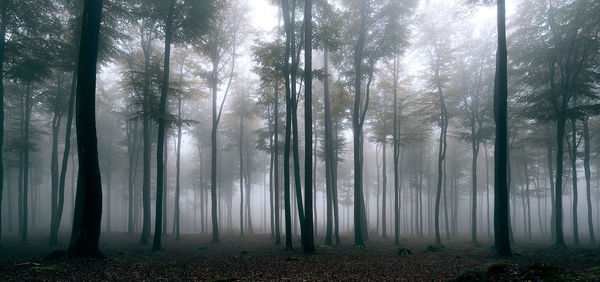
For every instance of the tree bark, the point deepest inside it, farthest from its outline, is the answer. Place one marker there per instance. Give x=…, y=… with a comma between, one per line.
x=88, y=207
x=501, y=203
x=588, y=174
x=162, y=111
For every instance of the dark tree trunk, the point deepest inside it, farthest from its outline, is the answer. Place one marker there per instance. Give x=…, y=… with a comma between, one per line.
x=357, y=130
x=276, y=167
x=25, y=163
x=241, y=145
x=384, y=190
x=558, y=214
x=56, y=121
x=396, y=156
x=147, y=166
x=588, y=174
x=178, y=171
x=288, y=126
x=441, y=156
x=574, y=178
x=88, y=206
x=4, y=19
x=328, y=149
x=475, y=153
x=501, y=218
x=162, y=111
x=309, y=240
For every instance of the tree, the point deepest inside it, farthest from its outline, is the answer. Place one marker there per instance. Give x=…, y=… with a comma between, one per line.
x=501, y=219
x=309, y=244
x=88, y=208
x=220, y=46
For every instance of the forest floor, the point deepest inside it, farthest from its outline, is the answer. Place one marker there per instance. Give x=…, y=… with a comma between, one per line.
x=255, y=257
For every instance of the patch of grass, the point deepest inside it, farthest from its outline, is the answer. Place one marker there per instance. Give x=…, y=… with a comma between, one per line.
x=293, y=258
x=173, y=270
x=594, y=269
x=45, y=267
x=324, y=247
x=470, y=275
x=122, y=252
x=223, y=279
x=202, y=248
x=242, y=255
x=360, y=247
x=548, y=272
x=435, y=248
x=497, y=269
x=405, y=251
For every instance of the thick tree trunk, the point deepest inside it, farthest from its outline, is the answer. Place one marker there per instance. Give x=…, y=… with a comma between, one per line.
x=162, y=111
x=88, y=207
x=501, y=204
x=357, y=130
x=309, y=240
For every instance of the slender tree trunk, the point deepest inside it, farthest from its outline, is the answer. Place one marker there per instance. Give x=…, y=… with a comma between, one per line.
x=588, y=174
x=241, y=145
x=162, y=111
x=475, y=153
x=574, y=178
x=384, y=191
x=276, y=167
x=328, y=148
x=441, y=157
x=501, y=203
x=178, y=172
x=88, y=207
x=26, y=161
x=396, y=155
x=487, y=189
x=3, y=24
x=54, y=166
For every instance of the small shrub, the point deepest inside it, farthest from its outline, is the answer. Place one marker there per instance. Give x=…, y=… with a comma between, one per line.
x=242, y=255
x=405, y=252
x=470, y=275
x=435, y=248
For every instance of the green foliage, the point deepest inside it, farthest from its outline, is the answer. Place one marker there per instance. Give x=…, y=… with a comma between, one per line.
x=405, y=252
x=242, y=255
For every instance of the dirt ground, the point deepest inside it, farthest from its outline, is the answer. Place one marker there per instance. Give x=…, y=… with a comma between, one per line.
x=255, y=257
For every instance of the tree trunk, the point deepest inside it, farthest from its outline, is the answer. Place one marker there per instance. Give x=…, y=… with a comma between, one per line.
x=56, y=120
x=441, y=157
x=574, y=178
x=588, y=174
x=88, y=207
x=357, y=130
x=4, y=18
x=475, y=153
x=276, y=168
x=501, y=218
x=384, y=190
x=25, y=163
x=396, y=155
x=328, y=148
x=309, y=240
x=241, y=145
x=162, y=111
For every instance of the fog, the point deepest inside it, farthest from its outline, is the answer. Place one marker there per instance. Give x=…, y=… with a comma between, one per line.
x=405, y=119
